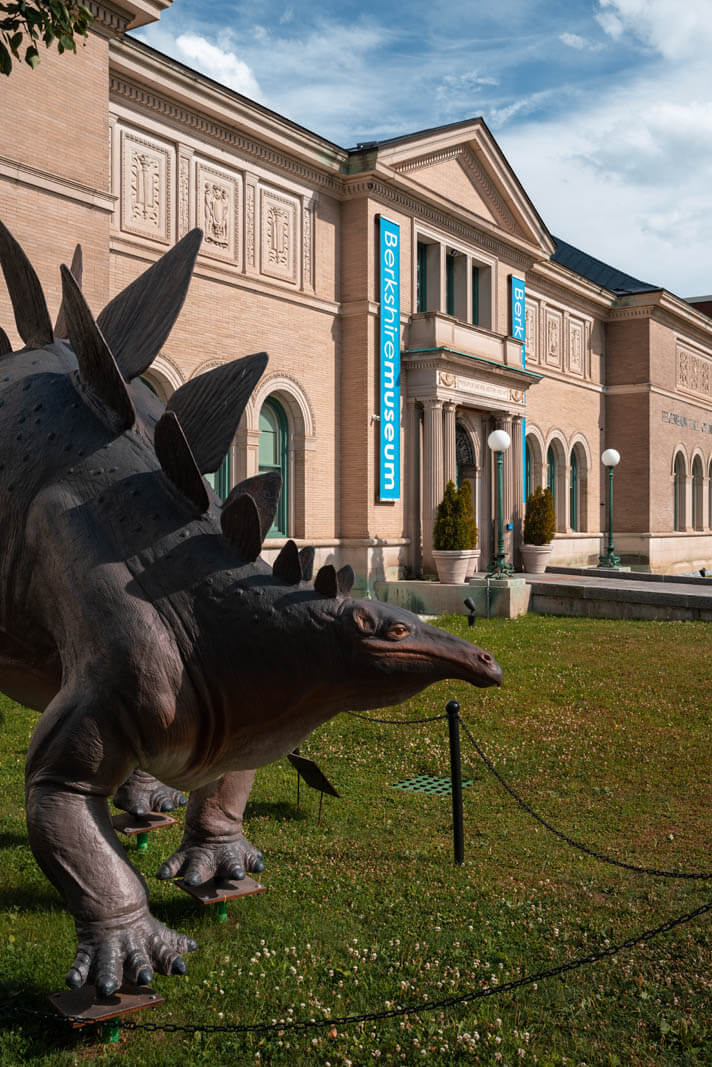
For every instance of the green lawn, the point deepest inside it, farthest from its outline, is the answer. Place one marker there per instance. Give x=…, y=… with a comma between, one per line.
x=604, y=727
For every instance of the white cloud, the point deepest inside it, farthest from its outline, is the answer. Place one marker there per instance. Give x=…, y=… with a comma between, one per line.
x=573, y=40
x=674, y=28
x=218, y=63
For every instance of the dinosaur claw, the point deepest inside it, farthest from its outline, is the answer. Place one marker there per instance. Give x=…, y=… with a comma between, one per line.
x=237, y=874
x=178, y=966
x=144, y=976
x=166, y=806
x=105, y=987
x=191, y=945
x=257, y=865
x=164, y=872
x=182, y=800
x=192, y=879
x=74, y=979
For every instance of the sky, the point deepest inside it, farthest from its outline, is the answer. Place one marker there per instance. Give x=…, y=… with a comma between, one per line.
x=603, y=108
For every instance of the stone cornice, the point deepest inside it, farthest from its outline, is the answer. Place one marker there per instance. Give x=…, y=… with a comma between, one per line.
x=113, y=19
x=158, y=85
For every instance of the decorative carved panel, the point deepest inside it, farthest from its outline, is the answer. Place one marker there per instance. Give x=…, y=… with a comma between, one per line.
x=279, y=237
x=694, y=373
x=308, y=243
x=250, y=235
x=532, y=331
x=184, y=184
x=553, y=338
x=576, y=347
x=146, y=182
x=219, y=205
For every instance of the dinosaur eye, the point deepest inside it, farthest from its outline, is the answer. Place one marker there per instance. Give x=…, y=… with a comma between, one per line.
x=397, y=631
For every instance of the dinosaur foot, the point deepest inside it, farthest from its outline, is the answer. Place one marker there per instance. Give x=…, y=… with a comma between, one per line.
x=197, y=863
x=115, y=952
x=141, y=793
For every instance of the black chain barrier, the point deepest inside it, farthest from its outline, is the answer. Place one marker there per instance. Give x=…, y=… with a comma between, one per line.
x=394, y=722
x=386, y=1013
x=702, y=876
x=430, y=1005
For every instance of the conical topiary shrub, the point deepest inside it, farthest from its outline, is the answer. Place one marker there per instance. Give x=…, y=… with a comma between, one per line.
x=539, y=528
x=454, y=534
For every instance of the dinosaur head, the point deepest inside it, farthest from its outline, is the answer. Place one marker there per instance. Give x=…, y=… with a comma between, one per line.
x=387, y=654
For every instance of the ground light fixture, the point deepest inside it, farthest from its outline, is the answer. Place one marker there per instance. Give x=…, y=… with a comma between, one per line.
x=610, y=458
x=499, y=441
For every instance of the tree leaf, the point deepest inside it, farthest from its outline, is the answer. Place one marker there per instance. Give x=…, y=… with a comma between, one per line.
x=32, y=56
x=5, y=60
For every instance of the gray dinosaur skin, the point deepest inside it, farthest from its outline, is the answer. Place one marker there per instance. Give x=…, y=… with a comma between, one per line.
x=149, y=641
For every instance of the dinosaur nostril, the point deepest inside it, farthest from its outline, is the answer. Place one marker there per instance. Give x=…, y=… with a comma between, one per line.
x=485, y=657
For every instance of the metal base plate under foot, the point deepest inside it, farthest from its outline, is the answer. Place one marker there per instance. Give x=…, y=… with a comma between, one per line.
x=84, y=1006
x=141, y=824
x=217, y=890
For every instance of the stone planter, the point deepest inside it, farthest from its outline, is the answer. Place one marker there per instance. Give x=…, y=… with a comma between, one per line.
x=473, y=563
x=452, y=566
x=535, y=558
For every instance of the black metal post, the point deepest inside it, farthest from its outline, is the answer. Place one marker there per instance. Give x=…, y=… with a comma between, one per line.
x=453, y=710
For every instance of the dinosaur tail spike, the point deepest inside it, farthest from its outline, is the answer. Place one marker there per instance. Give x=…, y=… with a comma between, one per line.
x=306, y=559
x=177, y=460
x=28, y=302
x=264, y=490
x=60, y=326
x=210, y=407
x=5, y=346
x=326, y=582
x=345, y=579
x=137, y=322
x=240, y=521
x=97, y=368
x=287, y=567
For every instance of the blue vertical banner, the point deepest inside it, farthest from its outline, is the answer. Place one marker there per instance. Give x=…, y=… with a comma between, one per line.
x=518, y=314
x=389, y=359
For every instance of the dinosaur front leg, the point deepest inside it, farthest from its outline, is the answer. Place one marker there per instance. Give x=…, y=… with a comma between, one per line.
x=141, y=792
x=72, y=765
x=213, y=844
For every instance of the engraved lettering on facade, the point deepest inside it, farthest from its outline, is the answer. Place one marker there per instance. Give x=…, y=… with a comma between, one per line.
x=251, y=224
x=531, y=328
x=576, y=348
x=307, y=246
x=184, y=196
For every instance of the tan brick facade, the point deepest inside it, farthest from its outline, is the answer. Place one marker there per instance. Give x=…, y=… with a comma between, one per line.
x=124, y=150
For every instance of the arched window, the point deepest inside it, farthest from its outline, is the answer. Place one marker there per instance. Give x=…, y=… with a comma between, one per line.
x=679, y=487
x=221, y=479
x=273, y=456
x=697, y=478
x=551, y=472
x=527, y=468
x=709, y=495
x=573, y=493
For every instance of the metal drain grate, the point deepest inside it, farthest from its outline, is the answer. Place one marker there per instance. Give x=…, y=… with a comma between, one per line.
x=425, y=783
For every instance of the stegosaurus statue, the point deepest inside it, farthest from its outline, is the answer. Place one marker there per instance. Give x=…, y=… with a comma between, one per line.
x=137, y=616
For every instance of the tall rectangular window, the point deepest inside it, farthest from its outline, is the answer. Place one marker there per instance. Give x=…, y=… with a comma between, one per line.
x=422, y=279
x=450, y=284
x=475, y=296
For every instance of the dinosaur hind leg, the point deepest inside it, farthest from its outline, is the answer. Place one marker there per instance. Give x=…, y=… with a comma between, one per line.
x=141, y=792
x=213, y=844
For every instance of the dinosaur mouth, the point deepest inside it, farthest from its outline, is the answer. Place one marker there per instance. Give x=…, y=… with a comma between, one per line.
x=479, y=668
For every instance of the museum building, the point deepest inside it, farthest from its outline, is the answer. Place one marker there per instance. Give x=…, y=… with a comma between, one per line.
x=409, y=295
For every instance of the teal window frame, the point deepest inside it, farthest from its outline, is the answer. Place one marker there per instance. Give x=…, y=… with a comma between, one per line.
x=273, y=411
x=422, y=277
x=475, y=296
x=551, y=472
x=220, y=480
x=449, y=284
x=527, y=468
x=573, y=494
x=677, y=518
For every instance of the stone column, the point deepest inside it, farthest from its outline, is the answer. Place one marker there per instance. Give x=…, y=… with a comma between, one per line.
x=413, y=516
x=433, y=484
x=449, y=450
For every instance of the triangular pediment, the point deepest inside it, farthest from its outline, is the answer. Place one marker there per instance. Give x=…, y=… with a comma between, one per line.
x=465, y=166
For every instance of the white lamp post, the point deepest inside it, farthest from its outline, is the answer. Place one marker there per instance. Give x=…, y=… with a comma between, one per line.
x=610, y=458
x=499, y=441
